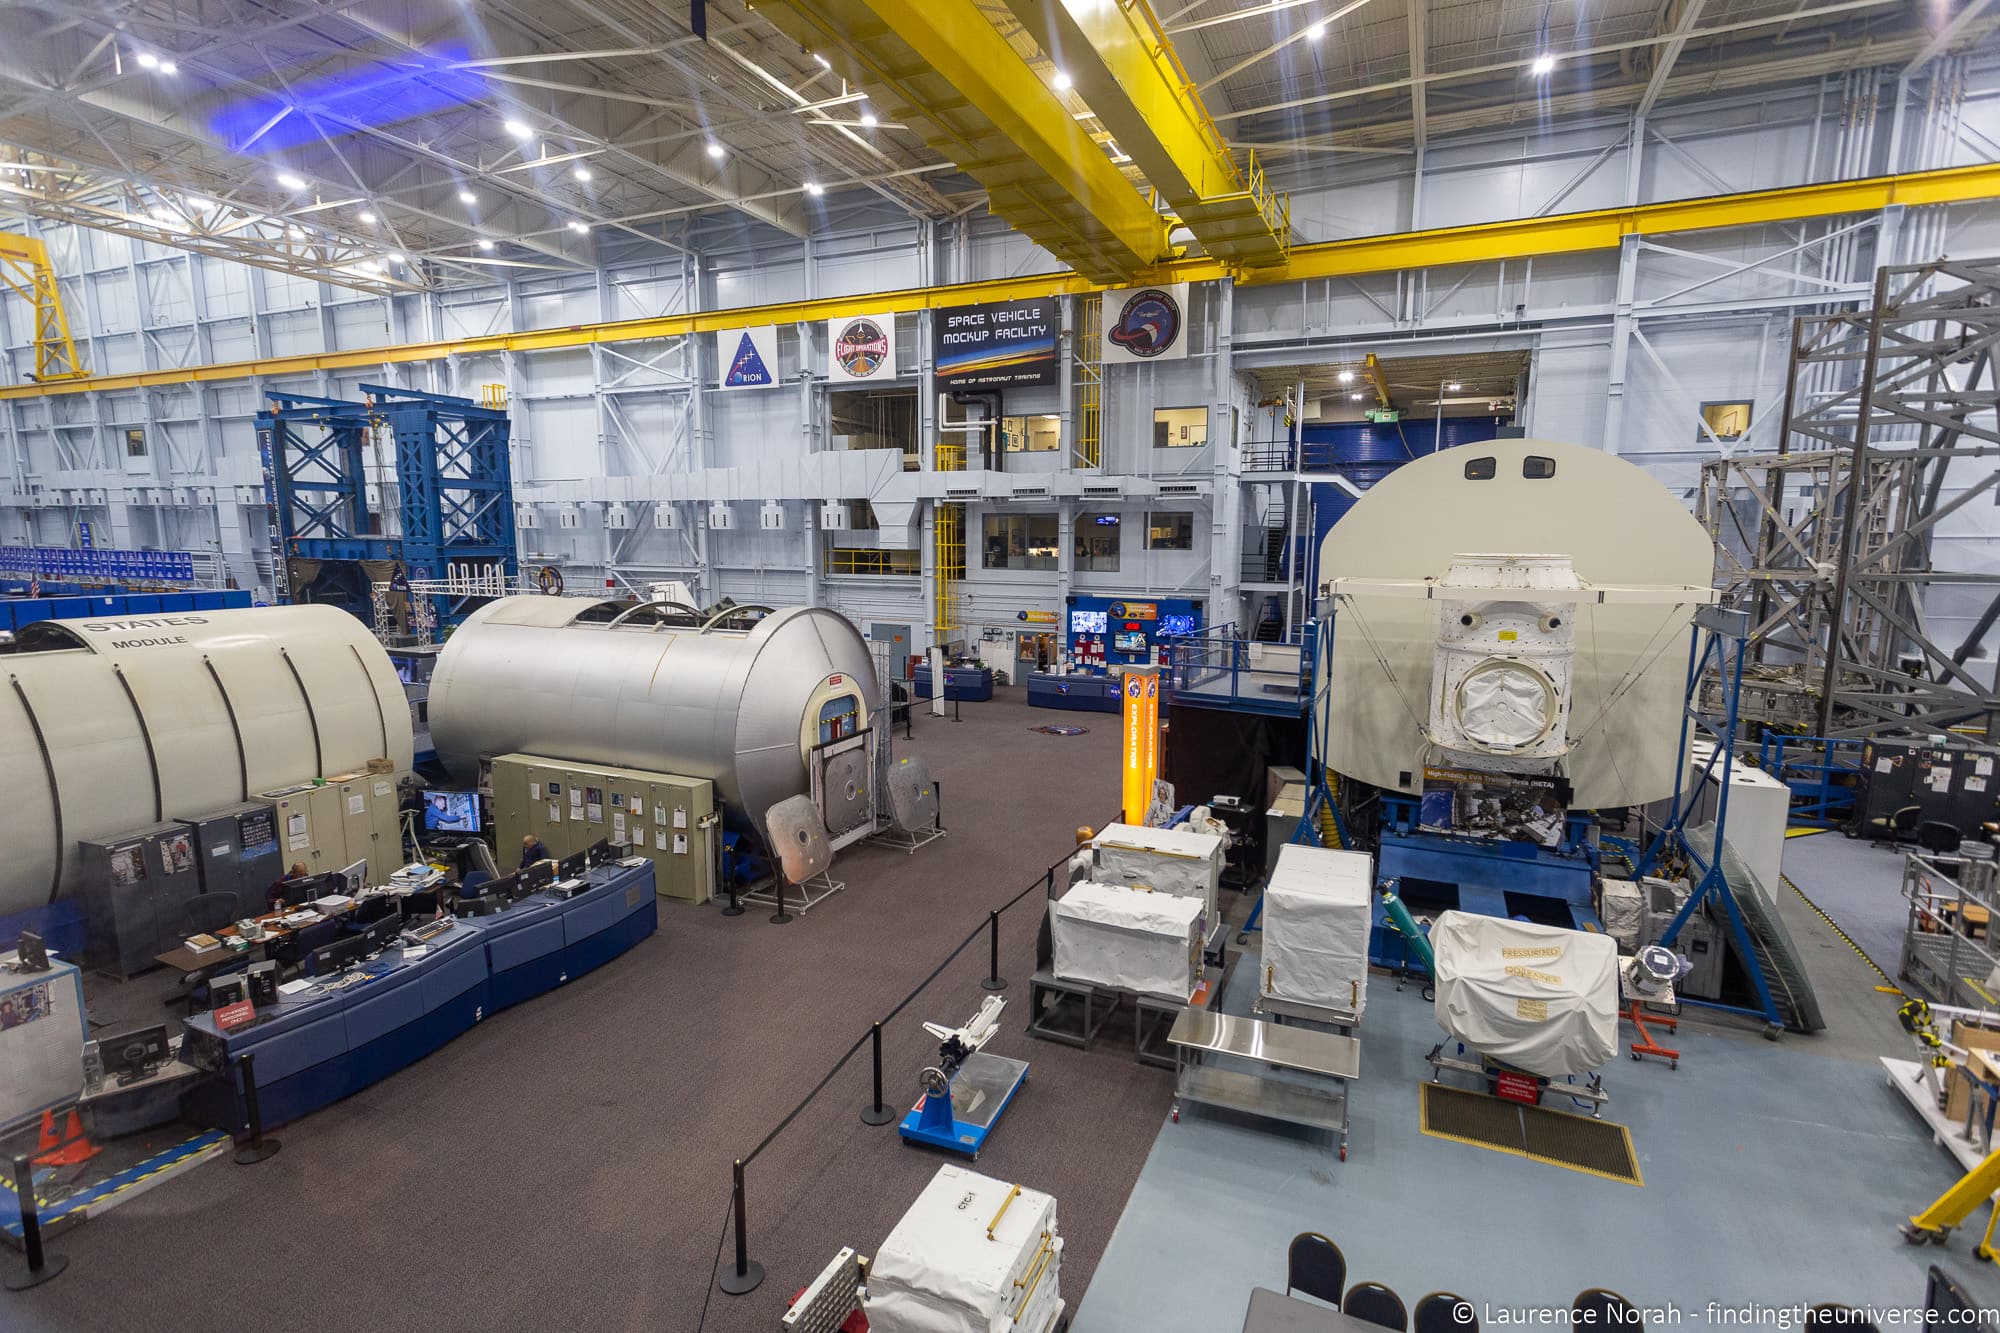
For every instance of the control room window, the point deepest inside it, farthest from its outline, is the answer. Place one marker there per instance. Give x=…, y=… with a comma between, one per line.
x=1019, y=541
x=1180, y=427
x=1097, y=539
x=1034, y=435
x=135, y=443
x=1723, y=420
x=1170, y=532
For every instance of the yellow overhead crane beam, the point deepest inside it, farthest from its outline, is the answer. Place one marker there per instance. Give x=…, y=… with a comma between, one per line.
x=941, y=68
x=24, y=266
x=1567, y=233
x=1122, y=62
x=1381, y=384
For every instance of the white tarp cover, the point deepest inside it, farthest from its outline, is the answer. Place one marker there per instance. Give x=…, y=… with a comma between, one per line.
x=1539, y=998
x=1176, y=861
x=1623, y=910
x=1127, y=939
x=1317, y=910
x=938, y=1273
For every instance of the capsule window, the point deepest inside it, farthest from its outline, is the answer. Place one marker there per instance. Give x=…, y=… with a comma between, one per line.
x=1480, y=469
x=1537, y=468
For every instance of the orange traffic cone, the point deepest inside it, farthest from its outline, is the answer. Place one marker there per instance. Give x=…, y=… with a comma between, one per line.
x=67, y=1148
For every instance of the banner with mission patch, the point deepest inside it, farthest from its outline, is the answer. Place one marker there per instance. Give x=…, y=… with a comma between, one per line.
x=747, y=358
x=1005, y=345
x=1145, y=324
x=861, y=347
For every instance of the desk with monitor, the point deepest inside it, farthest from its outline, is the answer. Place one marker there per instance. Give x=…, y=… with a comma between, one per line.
x=344, y=1031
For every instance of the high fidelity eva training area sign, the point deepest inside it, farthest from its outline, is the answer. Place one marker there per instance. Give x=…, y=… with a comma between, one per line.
x=1005, y=345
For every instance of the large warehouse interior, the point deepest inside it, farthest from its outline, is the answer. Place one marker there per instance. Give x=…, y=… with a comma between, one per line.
x=1003, y=665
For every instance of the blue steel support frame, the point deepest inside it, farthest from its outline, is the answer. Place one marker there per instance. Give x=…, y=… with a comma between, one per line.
x=1812, y=767
x=315, y=483
x=1722, y=648
x=455, y=472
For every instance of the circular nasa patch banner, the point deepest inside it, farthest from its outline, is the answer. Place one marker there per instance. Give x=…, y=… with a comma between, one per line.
x=1148, y=323
x=862, y=348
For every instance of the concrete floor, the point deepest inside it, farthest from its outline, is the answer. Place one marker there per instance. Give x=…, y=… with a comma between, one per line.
x=1775, y=1173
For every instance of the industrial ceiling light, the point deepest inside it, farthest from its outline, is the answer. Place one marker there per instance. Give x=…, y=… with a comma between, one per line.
x=291, y=182
x=1544, y=65
x=485, y=244
x=467, y=197
x=716, y=150
x=1451, y=387
x=169, y=67
x=579, y=227
x=824, y=63
x=367, y=217
x=517, y=129
x=147, y=60
x=815, y=189
x=1315, y=32
x=868, y=119
x=1347, y=377
x=581, y=173
x=1062, y=82
x=1354, y=397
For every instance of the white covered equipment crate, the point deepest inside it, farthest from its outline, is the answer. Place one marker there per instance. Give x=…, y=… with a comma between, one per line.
x=1317, y=910
x=1177, y=861
x=1539, y=998
x=1128, y=939
x=973, y=1255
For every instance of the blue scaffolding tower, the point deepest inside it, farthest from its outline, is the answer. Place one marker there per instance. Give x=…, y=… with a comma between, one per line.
x=455, y=519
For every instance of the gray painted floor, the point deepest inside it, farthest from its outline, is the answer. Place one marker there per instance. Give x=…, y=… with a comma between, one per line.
x=1775, y=1173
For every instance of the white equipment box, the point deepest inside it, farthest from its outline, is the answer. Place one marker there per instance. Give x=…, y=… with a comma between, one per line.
x=1539, y=998
x=42, y=1032
x=1760, y=807
x=1622, y=908
x=1317, y=910
x=1128, y=939
x=1177, y=861
x=973, y=1255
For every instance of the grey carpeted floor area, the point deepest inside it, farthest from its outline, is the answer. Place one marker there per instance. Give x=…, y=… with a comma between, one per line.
x=567, y=1162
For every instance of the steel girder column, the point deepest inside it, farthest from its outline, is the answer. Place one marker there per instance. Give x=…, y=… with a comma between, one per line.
x=315, y=489
x=1127, y=71
x=941, y=68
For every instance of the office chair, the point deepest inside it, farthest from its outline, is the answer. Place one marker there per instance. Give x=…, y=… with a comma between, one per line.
x=1830, y=1315
x=206, y=913
x=1939, y=838
x=469, y=888
x=1375, y=1304
x=1599, y=1308
x=1440, y=1312
x=1315, y=1265
x=293, y=953
x=367, y=912
x=1894, y=827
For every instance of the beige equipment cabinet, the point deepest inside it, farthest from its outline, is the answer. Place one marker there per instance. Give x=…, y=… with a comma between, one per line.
x=348, y=818
x=666, y=818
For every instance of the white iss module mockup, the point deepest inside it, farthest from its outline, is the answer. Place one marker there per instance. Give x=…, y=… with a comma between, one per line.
x=1128, y=939
x=1317, y=911
x=1506, y=646
x=1539, y=998
x=972, y=1255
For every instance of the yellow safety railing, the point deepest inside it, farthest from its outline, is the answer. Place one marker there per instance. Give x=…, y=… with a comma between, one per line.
x=1087, y=447
x=950, y=456
x=493, y=396
x=950, y=572
x=868, y=560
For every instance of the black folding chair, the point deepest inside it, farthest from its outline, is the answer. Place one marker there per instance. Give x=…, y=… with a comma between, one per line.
x=1315, y=1266
x=1443, y=1312
x=1376, y=1304
x=1600, y=1308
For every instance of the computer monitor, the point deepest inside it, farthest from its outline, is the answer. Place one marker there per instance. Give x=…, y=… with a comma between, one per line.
x=329, y=959
x=500, y=887
x=383, y=930
x=451, y=812
x=130, y=1056
x=575, y=864
x=599, y=852
x=354, y=878
x=537, y=876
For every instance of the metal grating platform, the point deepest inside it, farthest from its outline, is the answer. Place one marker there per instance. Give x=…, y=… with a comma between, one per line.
x=1579, y=1143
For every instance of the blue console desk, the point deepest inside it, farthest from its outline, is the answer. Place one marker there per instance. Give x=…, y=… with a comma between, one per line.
x=971, y=684
x=1078, y=693
x=315, y=1047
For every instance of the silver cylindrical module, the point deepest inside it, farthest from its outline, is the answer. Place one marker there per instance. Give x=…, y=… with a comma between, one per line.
x=108, y=725
x=618, y=685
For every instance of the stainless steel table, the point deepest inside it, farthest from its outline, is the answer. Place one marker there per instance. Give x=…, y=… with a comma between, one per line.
x=1274, y=1312
x=1199, y=1034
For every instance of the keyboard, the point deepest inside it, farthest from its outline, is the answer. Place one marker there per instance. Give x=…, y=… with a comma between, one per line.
x=344, y=980
x=428, y=931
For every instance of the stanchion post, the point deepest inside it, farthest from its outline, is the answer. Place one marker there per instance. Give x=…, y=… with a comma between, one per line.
x=877, y=1113
x=259, y=1148
x=743, y=1277
x=735, y=907
x=41, y=1266
x=994, y=981
x=937, y=795
x=781, y=916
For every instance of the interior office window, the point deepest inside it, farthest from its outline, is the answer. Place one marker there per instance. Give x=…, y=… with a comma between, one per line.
x=1018, y=541
x=1180, y=427
x=135, y=443
x=1034, y=435
x=1169, y=532
x=1725, y=420
x=1097, y=540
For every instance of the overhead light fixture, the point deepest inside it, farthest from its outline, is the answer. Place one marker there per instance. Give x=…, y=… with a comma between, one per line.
x=1347, y=377
x=367, y=217
x=815, y=189
x=1355, y=397
x=169, y=67
x=824, y=63
x=467, y=197
x=291, y=182
x=1544, y=65
x=1061, y=81
x=579, y=227
x=485, y=244
x=517, y=129
x=581, y=173
x=868, y=119
x=1315, y=32
x=147, y=60
x=716, y=150
x=1452, y=387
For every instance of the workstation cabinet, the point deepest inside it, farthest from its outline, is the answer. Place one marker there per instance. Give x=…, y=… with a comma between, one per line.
x=669, y=820
x=330, y=825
